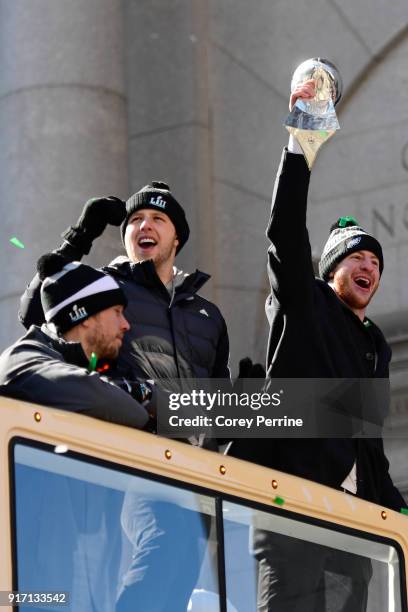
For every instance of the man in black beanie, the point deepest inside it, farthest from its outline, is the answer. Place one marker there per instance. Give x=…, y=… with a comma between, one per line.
x=318, y=330
x=175, y=334
x=56, y=365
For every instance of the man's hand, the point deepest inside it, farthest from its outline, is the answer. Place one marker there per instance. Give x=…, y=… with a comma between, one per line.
x=306, y=90
x=96, y=215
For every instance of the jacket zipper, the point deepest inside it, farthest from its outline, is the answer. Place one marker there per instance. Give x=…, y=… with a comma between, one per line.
x=172, y=333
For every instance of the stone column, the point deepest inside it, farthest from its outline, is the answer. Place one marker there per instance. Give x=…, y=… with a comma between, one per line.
x=169, y=114
x=63, y=130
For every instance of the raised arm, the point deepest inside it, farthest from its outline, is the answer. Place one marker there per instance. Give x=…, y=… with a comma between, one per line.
x=96, y=215
x=30, y=311
x=290, y=265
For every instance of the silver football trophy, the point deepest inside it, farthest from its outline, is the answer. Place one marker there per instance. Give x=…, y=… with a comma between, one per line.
x=313, y=122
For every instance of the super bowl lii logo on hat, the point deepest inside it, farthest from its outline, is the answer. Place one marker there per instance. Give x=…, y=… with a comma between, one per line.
x=77, y=314
x=158, y=196
x=158, y=201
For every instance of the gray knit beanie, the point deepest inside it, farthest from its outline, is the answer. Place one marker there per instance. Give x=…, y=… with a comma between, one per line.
x=347, y=237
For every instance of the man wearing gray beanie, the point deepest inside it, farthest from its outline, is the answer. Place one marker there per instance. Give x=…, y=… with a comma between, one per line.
x=319, y=330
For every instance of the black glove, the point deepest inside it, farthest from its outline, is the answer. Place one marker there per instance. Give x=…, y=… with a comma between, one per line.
x=248, y=370
x=142, y=392
x=96, y=215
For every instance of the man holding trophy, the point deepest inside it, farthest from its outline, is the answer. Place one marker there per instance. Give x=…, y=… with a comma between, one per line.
x=318, y=329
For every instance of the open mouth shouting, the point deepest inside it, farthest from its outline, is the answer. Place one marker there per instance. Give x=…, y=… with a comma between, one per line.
x=363, y=282
x=146, y=243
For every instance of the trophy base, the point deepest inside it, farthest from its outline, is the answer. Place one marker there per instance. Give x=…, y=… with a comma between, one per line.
x=310, y=141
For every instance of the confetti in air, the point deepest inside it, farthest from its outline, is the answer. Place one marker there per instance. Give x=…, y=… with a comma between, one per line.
x=17, y=243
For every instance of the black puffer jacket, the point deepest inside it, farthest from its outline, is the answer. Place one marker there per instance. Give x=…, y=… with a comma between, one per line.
x=170, y=338
x=182, y=337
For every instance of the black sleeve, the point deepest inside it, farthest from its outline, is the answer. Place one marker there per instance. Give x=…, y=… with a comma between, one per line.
x=34, y=376
x=31, y=312
x=290, y=266
x=390, y=497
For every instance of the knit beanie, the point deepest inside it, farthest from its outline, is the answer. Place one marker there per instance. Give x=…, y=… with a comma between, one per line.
x=157, y=196
x=347, y=237
x=72, y=292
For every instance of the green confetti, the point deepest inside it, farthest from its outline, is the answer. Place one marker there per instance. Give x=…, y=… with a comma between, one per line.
x=404, y=511
x=92, y=363
x=17, y=243
x=279, y=500
x=323, y=133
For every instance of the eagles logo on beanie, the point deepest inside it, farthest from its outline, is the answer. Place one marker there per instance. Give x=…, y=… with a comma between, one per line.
x=157, y=196
x=72, y=292
x=347, y=237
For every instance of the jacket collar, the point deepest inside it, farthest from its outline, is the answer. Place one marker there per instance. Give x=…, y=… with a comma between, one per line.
x=144, y=272
x=71, y=351
x=367, y=323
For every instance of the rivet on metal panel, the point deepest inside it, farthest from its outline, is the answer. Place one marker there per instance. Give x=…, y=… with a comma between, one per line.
x=168, y=454
x=274, y=484
x=383, y=515
x=37, y=416
x=223, y=469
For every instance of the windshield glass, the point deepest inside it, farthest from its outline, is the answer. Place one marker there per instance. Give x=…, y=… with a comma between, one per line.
x=110, y=540
x=277, y=563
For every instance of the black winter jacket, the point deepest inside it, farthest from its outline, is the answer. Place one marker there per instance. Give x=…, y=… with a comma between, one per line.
x=183, y=337
x=45, y=369
x=314, y=335
x=170, y=338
